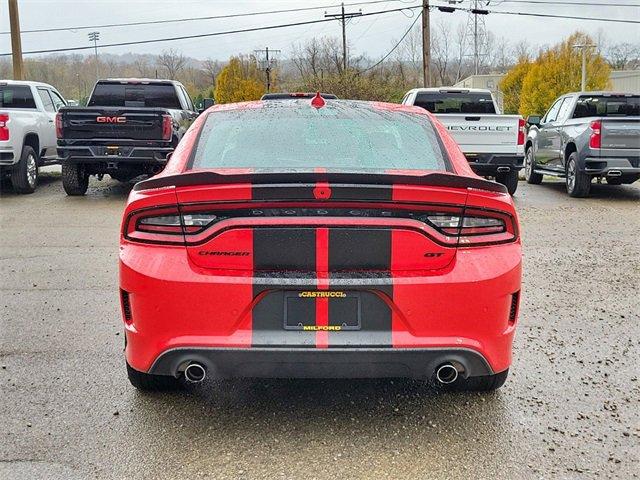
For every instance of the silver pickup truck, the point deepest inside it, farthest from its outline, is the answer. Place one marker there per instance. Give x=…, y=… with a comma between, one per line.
x=27, y=130
x=583, y=136
x=493, y=143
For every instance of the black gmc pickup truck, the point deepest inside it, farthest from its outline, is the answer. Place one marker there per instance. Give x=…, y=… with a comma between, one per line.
x=128, y=128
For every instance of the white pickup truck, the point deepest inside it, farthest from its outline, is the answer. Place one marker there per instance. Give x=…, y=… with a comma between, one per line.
x=493, y=143
x=27, y=130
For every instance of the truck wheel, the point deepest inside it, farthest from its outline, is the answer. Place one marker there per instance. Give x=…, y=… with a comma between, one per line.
x=509, y=180
x=149, y=383
x=578, y=183
x=530, y=175
x=74, y=179
x=24, y=174
x=486, y=383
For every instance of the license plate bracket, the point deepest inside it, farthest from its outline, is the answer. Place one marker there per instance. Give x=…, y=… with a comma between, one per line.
x=344, y=310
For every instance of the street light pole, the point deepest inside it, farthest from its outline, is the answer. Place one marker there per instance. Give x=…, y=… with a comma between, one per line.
x=94, y=37
x=583, y=47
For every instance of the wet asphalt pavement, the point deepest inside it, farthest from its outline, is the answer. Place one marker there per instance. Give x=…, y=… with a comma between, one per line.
x=570, y=408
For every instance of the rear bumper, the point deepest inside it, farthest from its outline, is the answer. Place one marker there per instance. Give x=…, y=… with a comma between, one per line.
x=179, y=310
x=125, y=154
x=313, y=363
x=8, y=157
x=612, y=165
x=490, y=164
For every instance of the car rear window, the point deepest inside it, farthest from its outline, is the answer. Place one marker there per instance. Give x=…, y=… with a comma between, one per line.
x=607, y=106
x=16, y=96
x=455, y=102
x=335, y=137
x=134, y=95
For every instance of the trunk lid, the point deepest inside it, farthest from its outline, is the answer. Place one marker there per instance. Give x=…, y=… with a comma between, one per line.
x=319, y=228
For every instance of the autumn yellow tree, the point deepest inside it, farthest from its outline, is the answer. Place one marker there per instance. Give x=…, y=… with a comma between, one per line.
x=239, y=81
x=511, y=85
x=558, y=71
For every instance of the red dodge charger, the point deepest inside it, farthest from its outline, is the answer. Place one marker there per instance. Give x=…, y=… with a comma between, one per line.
x=319, y=238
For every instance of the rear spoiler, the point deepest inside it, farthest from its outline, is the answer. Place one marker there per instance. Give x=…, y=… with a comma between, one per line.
x=213, y=178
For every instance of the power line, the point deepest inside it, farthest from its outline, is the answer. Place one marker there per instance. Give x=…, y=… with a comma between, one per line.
x=394, y=47
x=578, y=4
x=310, y=22
x=542, y=15
x=212, y=34
x=193, y=19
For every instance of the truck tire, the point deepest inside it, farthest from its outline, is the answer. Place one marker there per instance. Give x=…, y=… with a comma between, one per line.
x=578, y=183
x=486, y=383
x=509, y=180
x=148, y=382
x=24, y=174
x=530, y=175
x=74, y=179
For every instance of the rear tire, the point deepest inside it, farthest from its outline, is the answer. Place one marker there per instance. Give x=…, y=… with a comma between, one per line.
x=24, y=174
x=486, y=383
x=148, y=382
x=75, y=180
x=578, y=183
x=530, y=175
x=509, y=180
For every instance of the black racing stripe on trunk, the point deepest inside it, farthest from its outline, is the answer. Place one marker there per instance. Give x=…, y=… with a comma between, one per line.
x=357, y=192
x=284, y=248
x=278, y=250
x=359, y=250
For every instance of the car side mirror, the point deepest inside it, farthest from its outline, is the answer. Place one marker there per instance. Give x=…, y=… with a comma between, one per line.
x=533, y=120
x=206, y=103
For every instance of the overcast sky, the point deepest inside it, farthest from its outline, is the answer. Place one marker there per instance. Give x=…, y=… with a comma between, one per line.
x=373, y=35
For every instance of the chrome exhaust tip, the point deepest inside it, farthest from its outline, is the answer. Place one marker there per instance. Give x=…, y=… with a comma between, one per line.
x=446, y=374
x=504, y=169
x=614, y=173
x=195, y=373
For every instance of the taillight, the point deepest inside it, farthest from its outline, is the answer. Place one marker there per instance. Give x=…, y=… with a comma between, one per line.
x=475, y=227
x=595, y=141
x=522, y=131
x=59, y=125
x=447, y=225
x=4, y=128
x=167, y=127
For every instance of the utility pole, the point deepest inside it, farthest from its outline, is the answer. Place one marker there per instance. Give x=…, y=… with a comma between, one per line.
x=476, y=53
x=426, y=45
x=94, y=37
x=343, y=16
x=583, y=47
x=16, y=43
x=267, y=63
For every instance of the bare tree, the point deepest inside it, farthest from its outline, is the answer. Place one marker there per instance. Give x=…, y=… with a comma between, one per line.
x=623, y=55
x=172, y=61
x=441, y=51
x=212, y=68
